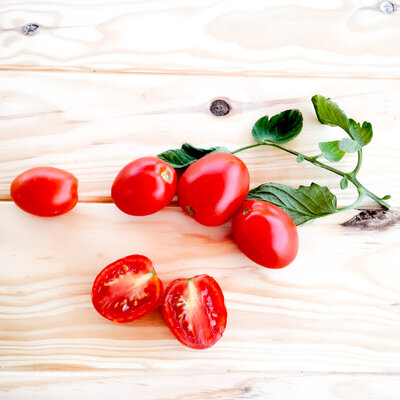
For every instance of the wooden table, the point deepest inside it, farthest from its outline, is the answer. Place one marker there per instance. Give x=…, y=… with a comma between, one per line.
x=95, y=84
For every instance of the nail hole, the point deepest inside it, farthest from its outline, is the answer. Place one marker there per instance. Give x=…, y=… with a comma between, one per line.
x=220, y=107
x=30, y=29
x=387, y=7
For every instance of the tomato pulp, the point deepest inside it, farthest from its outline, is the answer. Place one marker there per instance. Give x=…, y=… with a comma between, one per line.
x=127, y=289
x=195, y=312
x=45, y=191
x=213, y=188
x=144, y=186
x=265, y=234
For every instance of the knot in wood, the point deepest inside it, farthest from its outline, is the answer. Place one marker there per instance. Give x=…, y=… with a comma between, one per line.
x=220, y=107
x=374, y=220
x=30, y=29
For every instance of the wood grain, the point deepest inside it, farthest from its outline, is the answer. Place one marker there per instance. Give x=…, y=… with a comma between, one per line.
x=102, y=83
x=94, y=124
x=203, y=385
x=335, y=309
x=351, y=38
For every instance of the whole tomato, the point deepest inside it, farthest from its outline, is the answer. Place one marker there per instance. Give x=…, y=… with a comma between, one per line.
x=144, y=186
x=127, y=289
x=195, y=312
x=213, y=188
x=265, y=234
x=45, y=191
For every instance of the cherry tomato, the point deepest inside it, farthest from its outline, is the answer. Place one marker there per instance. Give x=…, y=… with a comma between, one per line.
x=127, y=289
x=195, y=312
x=144, y=186
x=213, y=188
x=265, y=234
x=45, y=191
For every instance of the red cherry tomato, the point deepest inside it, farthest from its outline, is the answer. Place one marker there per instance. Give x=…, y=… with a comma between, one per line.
x=265, y=234
x=213, y=188
x=127, y=289
x=195, y=312
x=45, y=191
x=144, y=186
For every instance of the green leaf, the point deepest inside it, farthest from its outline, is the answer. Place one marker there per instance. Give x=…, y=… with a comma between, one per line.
x=344, y=182
x=329, y=113
x=188, y=154
x=281, y=128
x=349, y=145
x=387, y=197
x=302, y=204
x=300, y=158
x=362, y=134
x=260, y=129
x=331, y=150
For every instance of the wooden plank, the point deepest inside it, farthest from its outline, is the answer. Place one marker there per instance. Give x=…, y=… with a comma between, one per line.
x=335, y=309
x=214, y=386
x=94, y=124
x=261, y=37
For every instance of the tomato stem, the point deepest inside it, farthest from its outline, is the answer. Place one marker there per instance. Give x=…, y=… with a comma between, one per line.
x=351, y=176
x=246, y=147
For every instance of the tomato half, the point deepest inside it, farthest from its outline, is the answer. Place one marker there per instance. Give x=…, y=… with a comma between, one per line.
x=265, y=234
x=45, y=191
x=195, y=312
x=144, y=186
x=127, y=289
x=213, y=188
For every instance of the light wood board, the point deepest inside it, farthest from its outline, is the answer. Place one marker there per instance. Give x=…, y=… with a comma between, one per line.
x=93, y=124
x=350, y=38
x=102, y=83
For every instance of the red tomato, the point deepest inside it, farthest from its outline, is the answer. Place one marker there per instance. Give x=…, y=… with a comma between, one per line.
x=213, y=188
x=144, y=186
x=45, y=191
x=127, y=289
x=195, y=312
x=265, y=234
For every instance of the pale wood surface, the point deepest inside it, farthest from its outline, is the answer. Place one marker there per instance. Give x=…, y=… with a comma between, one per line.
x=334, y=310
x=351, y=38
x=164, y=385
x=94, y=124
x=327, y=327
x=214, y=386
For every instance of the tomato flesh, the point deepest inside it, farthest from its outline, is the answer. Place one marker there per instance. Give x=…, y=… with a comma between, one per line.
x=265, y=234
x=45, y=191
x=213, y=188
x=144, y=186
x=195, y=312
x=127, y=289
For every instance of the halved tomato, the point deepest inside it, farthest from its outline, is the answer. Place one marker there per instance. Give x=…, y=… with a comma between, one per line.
x=127, y=289
x=195, y=312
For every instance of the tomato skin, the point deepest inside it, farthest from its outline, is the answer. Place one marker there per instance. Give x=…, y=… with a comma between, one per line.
x=195, y=312
x=144, y=186
x=45, y=191
x=213, y=188
x=265, y=234
x=127, y=289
